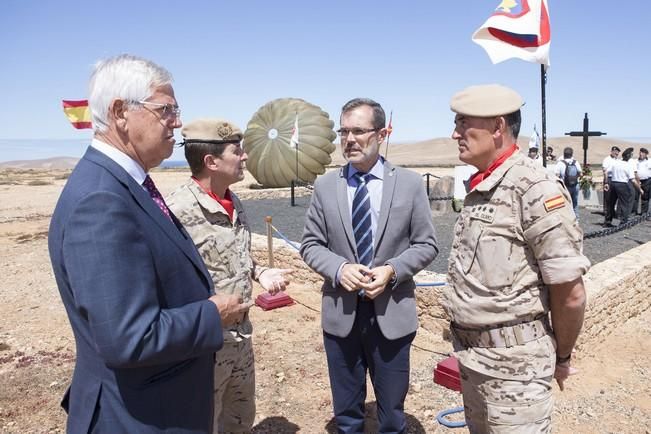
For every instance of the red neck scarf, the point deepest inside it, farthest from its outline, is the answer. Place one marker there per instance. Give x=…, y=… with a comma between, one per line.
x=226, y=202
x=478, y=177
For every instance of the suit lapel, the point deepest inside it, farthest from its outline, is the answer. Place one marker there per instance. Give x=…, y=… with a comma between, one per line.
x=344, y=209
x=388, y=187
x=173, y=230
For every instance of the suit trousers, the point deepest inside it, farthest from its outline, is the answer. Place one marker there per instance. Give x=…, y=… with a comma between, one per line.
x=387, y=361
x=646, y=188
x=621, y=193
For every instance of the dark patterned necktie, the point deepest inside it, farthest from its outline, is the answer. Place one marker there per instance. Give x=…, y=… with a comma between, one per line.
x=362, y=220
x=148, y=183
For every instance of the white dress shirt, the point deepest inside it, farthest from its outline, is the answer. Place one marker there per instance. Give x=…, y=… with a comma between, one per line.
x=374, y=187
x=607, y=165
x=622, y=171
x=644, y=169
x=132, y=167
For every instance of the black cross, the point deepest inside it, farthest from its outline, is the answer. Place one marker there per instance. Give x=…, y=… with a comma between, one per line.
x=585, y=134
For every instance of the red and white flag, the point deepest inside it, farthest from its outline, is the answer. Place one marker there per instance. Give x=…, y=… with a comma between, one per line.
x=517, y=28
x=293, y=141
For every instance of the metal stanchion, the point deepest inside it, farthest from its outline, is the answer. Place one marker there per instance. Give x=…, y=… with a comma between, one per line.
x=293, y=203
x=270, y=241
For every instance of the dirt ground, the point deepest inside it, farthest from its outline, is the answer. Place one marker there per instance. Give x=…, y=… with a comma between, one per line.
x=611, y=394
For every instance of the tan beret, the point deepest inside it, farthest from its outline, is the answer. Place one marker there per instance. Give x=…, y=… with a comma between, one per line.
x=486, y=101
x=211, y=130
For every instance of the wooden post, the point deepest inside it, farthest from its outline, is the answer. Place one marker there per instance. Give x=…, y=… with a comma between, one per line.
x=270, y=241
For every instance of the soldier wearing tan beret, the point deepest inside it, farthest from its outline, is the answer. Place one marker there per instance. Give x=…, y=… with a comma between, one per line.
x=516, y=296
x=215, y=219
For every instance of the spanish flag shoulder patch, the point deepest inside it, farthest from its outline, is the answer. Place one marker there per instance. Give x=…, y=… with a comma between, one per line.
x=554, y=203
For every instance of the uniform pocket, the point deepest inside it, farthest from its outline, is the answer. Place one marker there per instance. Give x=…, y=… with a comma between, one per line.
x=523, y=414
x=468, y=250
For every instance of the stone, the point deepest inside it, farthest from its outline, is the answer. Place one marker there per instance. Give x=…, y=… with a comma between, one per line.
x=442, y=187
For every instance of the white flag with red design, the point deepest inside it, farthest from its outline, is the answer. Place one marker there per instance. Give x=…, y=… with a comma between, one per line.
x=293, y=142
x=517, y=28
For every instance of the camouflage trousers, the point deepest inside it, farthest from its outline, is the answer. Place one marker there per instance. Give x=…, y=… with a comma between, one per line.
x=496, y=405
x=234, y=387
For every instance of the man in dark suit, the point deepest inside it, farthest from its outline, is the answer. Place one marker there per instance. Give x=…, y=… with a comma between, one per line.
x=138, y=296
x=367, y=232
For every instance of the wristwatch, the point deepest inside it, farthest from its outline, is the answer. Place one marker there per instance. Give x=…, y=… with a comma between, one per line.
x=563, y=359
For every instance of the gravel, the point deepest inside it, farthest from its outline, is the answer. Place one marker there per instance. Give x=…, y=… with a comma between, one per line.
x=289, y=221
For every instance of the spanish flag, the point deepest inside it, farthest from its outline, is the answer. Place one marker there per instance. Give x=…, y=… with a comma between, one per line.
x=78, y=113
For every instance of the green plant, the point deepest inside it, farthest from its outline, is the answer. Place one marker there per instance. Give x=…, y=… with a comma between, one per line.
x=586, y=182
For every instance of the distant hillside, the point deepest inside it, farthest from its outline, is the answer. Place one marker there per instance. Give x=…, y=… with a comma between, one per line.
x=433, y=152
x=443, y=151
x=46, y=163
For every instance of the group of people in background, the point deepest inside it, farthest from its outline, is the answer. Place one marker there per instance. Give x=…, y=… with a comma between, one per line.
x=157, y=290
x=567, y=169
x=626, y=180
x=627, y=184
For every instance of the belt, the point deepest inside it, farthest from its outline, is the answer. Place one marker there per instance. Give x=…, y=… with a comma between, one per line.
x=502, y=337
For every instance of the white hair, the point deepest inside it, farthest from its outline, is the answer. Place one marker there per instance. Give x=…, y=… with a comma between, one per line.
x=127, y=77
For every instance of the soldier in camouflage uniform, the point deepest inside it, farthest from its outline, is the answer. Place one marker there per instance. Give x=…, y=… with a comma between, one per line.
x=215, y=219
x=516, y=260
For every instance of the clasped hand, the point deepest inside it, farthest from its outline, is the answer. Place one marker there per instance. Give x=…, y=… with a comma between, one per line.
x=372, y=280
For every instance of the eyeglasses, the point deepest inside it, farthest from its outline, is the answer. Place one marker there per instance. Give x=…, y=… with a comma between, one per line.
x=343, y=132
x=169, y=111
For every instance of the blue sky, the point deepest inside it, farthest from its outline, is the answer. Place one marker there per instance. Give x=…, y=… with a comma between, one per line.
x=230, y=58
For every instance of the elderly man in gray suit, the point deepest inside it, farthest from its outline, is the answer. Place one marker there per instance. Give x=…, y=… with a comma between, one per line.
x=367, y=232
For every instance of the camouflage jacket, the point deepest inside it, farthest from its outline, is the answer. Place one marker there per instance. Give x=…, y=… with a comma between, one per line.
x=225, y=246
x=516, y=235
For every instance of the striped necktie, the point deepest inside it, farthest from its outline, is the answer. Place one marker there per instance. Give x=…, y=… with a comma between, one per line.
x=362, y=220
x=149, y=185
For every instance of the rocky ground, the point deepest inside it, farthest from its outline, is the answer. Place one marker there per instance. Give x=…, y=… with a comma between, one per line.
x=611, y=394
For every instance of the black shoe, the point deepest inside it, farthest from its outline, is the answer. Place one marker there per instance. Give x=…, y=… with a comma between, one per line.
x=608, y=225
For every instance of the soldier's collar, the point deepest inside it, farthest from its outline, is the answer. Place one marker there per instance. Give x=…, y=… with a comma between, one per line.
x=494, y=178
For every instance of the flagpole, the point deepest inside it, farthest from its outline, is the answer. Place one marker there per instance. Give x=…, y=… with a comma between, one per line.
x=296, y=126
x=386, y=148
x=543, y=83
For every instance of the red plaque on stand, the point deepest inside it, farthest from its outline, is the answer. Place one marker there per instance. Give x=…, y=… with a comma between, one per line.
x=267, y=301
x=447, y=374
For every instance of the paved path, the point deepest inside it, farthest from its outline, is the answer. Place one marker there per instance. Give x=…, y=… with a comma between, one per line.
x=289, y=220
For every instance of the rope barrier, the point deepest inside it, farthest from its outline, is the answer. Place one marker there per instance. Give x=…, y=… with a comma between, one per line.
x=291, y=243
x=443, y=421
x=287, y=240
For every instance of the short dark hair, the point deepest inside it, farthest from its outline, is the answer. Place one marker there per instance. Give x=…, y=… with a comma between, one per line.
x=379, y=118
x=568, y=152
x=645, y=150
x=628, y=152
x=513, y=122
x=195, y=151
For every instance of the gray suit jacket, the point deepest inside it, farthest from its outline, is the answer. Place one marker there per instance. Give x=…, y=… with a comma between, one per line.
x=404, y=238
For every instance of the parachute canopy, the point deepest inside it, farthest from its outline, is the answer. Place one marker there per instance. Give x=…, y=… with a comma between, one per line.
x=282, y=130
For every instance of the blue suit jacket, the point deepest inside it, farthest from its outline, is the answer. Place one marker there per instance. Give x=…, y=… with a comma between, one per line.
x=135, y=290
